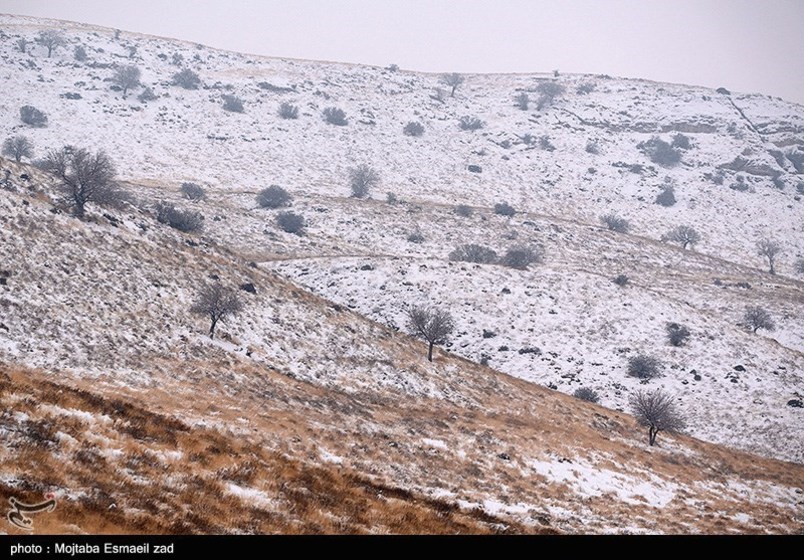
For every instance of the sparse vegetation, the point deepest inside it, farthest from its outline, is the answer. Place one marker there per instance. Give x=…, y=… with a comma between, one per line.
x=192, y=191
x=621, y=280
x=51, y=39
x=586, y=394
x=585, y=88
x=187, y=221
x=545, y=144
x=799, y=266
x=126, y=78
x=232, y=103
x=592, y=147
x=470, y=123
x=656, y=411
x=464, y=211
x=432, y=324
x=681, y=141
x=413, y=129
x=273, y=197
x=84, y=178
x=660, y=152
x=683, y=235
x=615, y=223
x=146, y=95
x=667, y=197
x=218, y=303
x=504, y=209
x=677, y=334
x=79, y=53
x=521, y=257
x=18, y=147
x=770, y=249
x=335, y=116
x=474, y=254
x=522, y=100
x=548, y=92
x=643, y=366
x=415, y=237
x=756, y=318
x=362, y=179
x=290, y=222
x=288, y=111
x=186, y=79
x=32, y=116
x=453, y=81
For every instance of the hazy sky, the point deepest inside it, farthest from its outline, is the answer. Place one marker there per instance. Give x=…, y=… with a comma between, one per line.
x=743, y=45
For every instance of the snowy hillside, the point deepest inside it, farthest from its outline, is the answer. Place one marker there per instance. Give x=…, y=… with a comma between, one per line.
x=318, y=371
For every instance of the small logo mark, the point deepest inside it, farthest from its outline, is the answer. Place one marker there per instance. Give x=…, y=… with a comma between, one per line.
x=17, y=515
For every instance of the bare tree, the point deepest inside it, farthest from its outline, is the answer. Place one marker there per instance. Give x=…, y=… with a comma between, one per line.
x=549, y=91
x=126, y=77
x=453, y=80
x=84, y=177
x=362, y=179
x=770, y=249
x=217, y=303
x=432, y=324
x=18, y=147
x=683, y=235
x=51, y=39
x=756, y=318
x=656, y=411
x=22, y=45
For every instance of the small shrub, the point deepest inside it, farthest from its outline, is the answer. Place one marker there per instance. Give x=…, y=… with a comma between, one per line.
x=413, y=129
x=739, y=185
x=32, y=116
x=592, y=147
x=464, y=211
x=362, y=179
x=147, y=95
x=232, y=104
x=643, y=366
x=273, y=197
x=416, y=237
x=290, y=222
x=545, y=144
x=800, y=188
x=474, y=254
x=586, y=394
x=186, y=221
x=621, y=280
x=470, y=123
x=192, y=191
x=80, y=53
x=615, y=223
x=390, y=198
x=522, y=100
x=799, y=266
x=667, y=197
x=681, y=141
x=660, y=152
x=335, y=116
x=585, y=88
x=677, y=334
x=520, y=257
x=504, y=209
x=186, y=79
x=549, y=91
x=288, y=111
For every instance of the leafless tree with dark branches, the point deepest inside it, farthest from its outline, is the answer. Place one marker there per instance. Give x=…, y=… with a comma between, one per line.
x=683, y=235
x=51, y=39
x=656, y=411
x=756, y=318
x=18, y=147
x=84, y=178
x=126, y=77
x=432, y=324
x=770, y=249
x=216, y=302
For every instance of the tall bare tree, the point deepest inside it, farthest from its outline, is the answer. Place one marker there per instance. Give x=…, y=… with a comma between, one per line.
x=432, y=324
x=216, y=302
x=453, y=80
x=656, y=411
x=683, y=235
x=51, y=39
x=18, y=147
x=770, y=249
x=84, y=178
x=126, y=77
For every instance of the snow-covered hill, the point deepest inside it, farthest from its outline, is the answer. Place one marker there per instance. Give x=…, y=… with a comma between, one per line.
x=108, y=300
